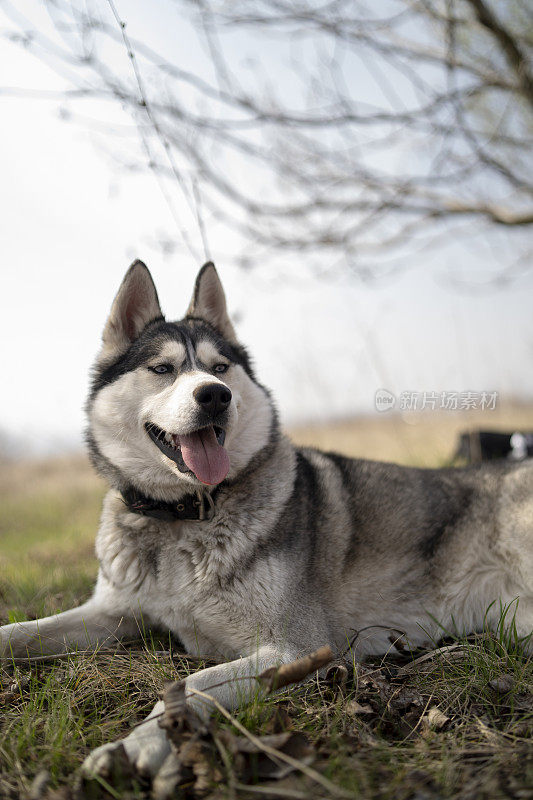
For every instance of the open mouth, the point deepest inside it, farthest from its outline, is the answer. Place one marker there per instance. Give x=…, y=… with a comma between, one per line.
x=201, y=452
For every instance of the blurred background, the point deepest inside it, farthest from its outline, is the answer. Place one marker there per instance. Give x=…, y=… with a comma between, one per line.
x=360, y=172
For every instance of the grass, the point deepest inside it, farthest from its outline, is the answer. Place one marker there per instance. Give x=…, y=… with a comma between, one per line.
x=372, y=737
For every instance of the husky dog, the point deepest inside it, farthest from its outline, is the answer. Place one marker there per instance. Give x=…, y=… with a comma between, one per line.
x=251, y=551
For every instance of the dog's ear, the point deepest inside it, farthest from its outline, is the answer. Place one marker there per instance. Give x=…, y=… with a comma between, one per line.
x=209, y=302
x=135, y=305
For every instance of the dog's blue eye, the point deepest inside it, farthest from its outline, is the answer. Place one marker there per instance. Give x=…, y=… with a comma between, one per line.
x=160, y=369
x=220, y=367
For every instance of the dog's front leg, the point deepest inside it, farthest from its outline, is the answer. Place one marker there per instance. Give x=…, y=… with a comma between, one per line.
x=86, y=626
x=232, y=684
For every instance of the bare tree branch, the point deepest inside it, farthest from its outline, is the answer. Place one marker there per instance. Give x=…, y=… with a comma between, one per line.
x=509, y=44
x=405, y=119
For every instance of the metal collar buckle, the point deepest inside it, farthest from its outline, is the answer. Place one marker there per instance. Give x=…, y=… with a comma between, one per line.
x=206, y=505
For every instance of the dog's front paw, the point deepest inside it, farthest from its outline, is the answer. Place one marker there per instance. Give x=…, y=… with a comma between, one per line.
x=141, y=753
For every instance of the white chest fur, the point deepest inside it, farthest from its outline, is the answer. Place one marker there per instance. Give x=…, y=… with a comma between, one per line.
x=179, y=577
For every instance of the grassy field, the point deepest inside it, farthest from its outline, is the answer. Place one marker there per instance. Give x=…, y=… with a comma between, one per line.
x=375, y=734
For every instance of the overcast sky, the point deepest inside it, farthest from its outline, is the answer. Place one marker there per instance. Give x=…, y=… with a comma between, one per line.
x=71, y=222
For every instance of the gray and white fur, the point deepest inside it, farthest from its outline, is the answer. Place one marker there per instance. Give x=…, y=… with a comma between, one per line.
x=304, y=549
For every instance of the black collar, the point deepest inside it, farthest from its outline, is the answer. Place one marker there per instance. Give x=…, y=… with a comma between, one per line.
x=198, y=506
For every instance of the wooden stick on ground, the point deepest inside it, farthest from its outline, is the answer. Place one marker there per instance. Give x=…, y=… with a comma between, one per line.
x=295, y=671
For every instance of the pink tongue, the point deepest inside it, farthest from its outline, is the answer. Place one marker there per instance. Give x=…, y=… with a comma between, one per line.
x=204, y=456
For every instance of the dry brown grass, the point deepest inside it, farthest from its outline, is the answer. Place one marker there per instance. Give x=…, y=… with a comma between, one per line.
x=59, y=475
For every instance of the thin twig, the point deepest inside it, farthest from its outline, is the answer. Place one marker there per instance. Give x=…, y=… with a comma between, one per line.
x=412, y=665
x=162, y=138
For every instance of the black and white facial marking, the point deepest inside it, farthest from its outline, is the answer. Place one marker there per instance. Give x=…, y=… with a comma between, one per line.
x=178, y=405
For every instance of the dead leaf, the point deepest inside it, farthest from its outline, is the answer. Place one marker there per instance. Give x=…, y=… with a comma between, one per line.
x=354, y=709
x=435, y=720
x=405, y=698
x=198, y=756
x=14, y=690
x=336, y=676
x=251, y=762
x=373, y=680
x=178, y=719
x=192, y=759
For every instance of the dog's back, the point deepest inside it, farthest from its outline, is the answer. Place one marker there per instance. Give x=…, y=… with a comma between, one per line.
x=382, y=544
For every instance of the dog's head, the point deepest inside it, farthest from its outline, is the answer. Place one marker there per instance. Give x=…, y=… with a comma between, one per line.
x=174, y=405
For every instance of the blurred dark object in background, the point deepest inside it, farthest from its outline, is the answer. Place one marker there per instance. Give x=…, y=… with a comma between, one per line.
x=475, y=446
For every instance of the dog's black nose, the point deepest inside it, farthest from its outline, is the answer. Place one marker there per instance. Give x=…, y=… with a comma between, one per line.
x=213, y=398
